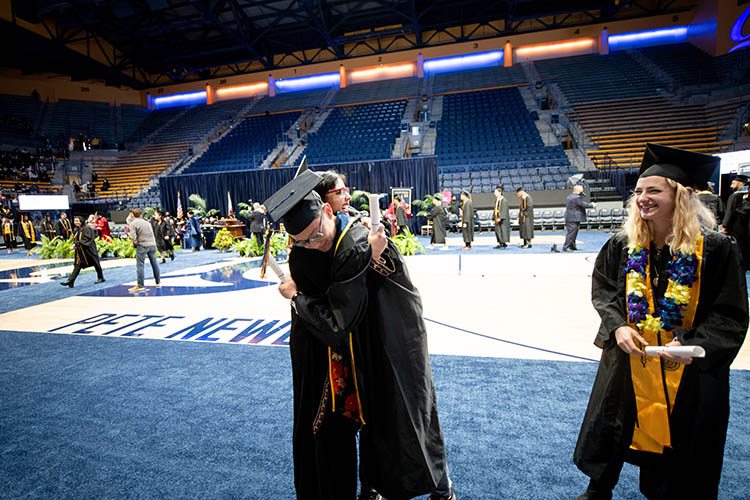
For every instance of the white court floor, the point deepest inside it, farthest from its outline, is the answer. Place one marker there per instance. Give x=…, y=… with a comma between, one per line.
x=529, y=306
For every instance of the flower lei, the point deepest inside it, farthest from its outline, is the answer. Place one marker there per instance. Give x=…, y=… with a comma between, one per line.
x=681, y=273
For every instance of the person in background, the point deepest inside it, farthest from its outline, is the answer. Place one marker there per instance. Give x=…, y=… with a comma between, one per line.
x=27, y=233
x=164, y=234
x=9, y=234
x=666, y=280
x=737, y=216
x=712, y=201
x=257, y=223
x=575, y=213
x=193, y=231
x=438, y=217
x=501, y=216
x=142, y=235
x=86, y=254
x=401, y=222
x=105, y=185
x=63, y=229
x=48, y=228
x=467, y=220
x=525, y=218
x=102, y=227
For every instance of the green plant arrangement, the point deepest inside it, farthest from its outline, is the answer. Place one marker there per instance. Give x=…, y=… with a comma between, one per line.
x=198, y=205
x=248, y=247
x=55, y=248
x=223, y=240
x=407, y=243
x=244, y=210
x=58, y=248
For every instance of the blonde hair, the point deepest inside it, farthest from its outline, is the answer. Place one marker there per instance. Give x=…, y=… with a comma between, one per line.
x=689, y=217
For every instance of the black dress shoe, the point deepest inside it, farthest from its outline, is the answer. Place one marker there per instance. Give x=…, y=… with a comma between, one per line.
x=67, y=283
x=100, y=280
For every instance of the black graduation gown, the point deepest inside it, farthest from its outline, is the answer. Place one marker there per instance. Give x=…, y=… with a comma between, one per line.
x=401, y=444
x=437, y=216
x=400, y=217
x=501, y=215
x=29, y=241
x=64, y=231
x=86, y=254
x=161, y=230
x=526, y=219
x=698, y=423
x=467, y=222
x=737, y=222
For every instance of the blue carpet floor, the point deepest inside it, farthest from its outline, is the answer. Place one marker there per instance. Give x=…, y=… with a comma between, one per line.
x=97, y=417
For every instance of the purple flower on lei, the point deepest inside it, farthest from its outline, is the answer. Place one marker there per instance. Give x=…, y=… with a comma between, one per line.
x=682, y=269
x=637, y=261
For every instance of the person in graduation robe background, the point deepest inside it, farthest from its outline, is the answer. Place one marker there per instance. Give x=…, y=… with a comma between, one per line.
x=9, y=234
x=401, y=222
x=737, y=216
x=362, y=317
x=501, y=216
x=48, y=228
x=63, y=227
x=86, y=254
x=467, y=220
x=27, y=233
x=666, y=279
x=438, y=217
x=525, y=218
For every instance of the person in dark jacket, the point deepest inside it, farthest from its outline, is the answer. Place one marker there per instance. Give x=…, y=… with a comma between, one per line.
x=737, y=216
x=575, y=213
x=359, y=312
x=257, y=222
x=86, y=254
x=164, y=234
x=712, y=201
x=467, y=220
x=401, y=223
x=438, y=216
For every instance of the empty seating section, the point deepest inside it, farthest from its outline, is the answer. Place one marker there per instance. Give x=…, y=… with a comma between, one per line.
x=399, y=88
x=131, y=118
x=593, y=77
x=199, y=121
x=685, y=63
x=355, y=133
x=492, y=129
x=69, y=118
x=621, y=128
x=128, y=174
x=154, y=120
x=19, y=114
x=246, y=145
x=734, y=68
x=292, y=101
x=483, y=78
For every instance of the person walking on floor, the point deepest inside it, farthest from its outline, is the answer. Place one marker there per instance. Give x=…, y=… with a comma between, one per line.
x=193, y=231
x=575, y=213
x=467, y=220
x=142, y=235
x=86, y=254
x=525, y=218
x=164, y=234
x=501, y=216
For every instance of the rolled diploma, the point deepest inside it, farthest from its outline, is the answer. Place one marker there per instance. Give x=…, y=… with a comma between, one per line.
x=374, y=212
x=276, y=269
x=691, y=351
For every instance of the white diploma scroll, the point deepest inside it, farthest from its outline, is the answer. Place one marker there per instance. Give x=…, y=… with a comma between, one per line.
x=374, y=212
x=690, y=351
x=276, y=269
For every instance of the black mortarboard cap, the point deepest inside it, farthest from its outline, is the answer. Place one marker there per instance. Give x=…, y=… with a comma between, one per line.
x=686, y=167
x=296, y=203
x=742, y=178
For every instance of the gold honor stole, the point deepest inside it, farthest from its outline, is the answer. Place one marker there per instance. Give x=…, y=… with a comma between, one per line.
x=340, y=372
x=656, y=380
x=498, y=206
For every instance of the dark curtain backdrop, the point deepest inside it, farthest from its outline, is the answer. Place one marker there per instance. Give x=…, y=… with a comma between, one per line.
x=374, y=176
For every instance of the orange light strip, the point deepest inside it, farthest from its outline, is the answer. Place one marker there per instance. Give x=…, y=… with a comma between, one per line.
x=241, y=89
x=393, y=70
x=554, y=47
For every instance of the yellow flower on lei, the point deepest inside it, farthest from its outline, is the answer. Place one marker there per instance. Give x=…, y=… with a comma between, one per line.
x=680, y=293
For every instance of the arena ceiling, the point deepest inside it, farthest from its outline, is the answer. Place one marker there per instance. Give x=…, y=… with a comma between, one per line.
x=149, y=43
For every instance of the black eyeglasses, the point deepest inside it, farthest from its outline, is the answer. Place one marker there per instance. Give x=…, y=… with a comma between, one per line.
x=311, y=239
